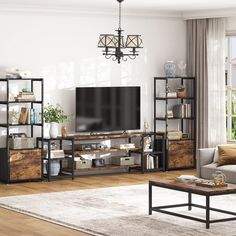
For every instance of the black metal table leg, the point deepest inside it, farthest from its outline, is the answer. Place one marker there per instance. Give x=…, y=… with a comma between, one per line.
x=207, y=212
x=189, y=201
x=49, y=161
x=150, y=199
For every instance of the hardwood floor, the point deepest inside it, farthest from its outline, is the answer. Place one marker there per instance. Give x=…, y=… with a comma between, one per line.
x=16, y=224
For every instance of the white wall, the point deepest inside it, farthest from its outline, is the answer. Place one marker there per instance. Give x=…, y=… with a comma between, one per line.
x=63, y=50
x=231, y=24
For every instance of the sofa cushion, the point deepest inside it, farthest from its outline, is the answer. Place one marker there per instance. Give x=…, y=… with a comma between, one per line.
x=216, y=153
x=229, y=170
x=227, y=155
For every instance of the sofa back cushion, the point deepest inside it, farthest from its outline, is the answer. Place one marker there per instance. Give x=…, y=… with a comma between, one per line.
x=227, y=155
x=216, y=153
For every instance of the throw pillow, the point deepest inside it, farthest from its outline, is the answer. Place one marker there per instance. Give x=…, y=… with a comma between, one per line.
x=216, y=154
x=227, y=155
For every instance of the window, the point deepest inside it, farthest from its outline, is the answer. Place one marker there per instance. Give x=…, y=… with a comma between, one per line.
x=230, y=81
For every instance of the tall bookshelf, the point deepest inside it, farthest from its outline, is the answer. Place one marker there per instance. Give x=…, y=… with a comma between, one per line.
x=17, y=165
x=179, y=153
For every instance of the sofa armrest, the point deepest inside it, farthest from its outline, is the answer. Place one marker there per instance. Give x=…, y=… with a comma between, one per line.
x=204, y=157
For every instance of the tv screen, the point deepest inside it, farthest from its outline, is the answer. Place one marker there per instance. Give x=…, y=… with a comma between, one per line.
x=104, y=109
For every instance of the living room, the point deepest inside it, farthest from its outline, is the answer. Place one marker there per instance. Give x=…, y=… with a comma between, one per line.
x=160, y=76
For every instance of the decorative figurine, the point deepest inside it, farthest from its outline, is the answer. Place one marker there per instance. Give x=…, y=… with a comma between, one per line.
x=146, y=127
x=64, y=132
x=182, y=68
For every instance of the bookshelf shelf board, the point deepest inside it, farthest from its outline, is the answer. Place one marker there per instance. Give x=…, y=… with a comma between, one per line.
x=164, y=99
x=174, y=118
x=107, y=167
x=19, y=79
x=12, y=102
x=174, y=78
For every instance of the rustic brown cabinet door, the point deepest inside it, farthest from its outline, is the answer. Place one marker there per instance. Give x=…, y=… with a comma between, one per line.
x=180, y=154
x=25, y=164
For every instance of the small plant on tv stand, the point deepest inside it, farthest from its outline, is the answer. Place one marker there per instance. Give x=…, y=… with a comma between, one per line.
x=54, y=114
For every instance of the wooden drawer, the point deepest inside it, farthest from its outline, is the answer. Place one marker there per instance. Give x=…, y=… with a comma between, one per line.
x=25, y=164
x=180, y=154
x=183, y=144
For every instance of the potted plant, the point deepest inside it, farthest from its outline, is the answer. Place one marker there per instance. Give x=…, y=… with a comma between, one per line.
x=54, y=114
x=181, y=91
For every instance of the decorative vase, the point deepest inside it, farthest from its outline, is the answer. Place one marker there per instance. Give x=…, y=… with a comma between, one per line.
x=64, y=132
x=219, y=178
x=54, y=168
x=170, y=69
x=53, y=131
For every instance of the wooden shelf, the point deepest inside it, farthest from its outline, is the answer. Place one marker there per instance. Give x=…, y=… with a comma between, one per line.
x=82, y=137
x=107, y=167
x=107, y=150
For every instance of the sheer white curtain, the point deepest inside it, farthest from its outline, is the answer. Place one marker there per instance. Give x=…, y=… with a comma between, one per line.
x=216, y=82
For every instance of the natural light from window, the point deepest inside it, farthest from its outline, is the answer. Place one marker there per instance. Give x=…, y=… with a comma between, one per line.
x=230, y=80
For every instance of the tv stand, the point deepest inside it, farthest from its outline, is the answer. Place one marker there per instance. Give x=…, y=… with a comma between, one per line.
x=124, y=137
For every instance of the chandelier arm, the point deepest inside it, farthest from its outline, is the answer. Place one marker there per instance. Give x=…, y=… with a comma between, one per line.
x=132, y=57
x=114, y=58
x=108, y=56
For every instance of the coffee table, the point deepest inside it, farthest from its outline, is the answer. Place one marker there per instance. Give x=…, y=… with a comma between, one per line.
x=191, y=188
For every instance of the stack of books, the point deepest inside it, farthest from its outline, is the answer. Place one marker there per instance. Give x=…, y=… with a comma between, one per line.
x=25, y=96
x=182, y=111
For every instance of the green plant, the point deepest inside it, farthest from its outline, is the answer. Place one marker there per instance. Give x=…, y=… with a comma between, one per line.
x=181, y=88
x=54, y=113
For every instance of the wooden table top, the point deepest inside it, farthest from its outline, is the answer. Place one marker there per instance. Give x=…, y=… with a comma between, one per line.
x=193, y=188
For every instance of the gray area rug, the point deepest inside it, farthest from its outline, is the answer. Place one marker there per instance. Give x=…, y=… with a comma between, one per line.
x=122, y=211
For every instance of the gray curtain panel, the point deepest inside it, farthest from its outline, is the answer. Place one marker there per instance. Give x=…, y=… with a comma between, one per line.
x=205, y=61
x=197, y=66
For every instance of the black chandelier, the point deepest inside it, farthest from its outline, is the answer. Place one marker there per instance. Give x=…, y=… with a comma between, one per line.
x=114, y=44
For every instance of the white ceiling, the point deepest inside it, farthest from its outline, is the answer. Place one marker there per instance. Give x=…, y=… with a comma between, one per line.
x=184, y=7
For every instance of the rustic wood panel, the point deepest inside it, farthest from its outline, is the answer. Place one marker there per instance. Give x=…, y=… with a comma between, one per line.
x=181, y=144
x=181, y=154
x=107, y=136
x=25, y=164
x=193, y=188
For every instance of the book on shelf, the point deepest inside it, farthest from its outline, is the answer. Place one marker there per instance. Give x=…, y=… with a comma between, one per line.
x=23, y=119
x=27, y=116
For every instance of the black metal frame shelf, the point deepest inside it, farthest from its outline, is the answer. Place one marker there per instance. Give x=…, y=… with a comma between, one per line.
x=175, y=118
x=5, y=167
x=11, y=125
x=180, y=100
x=173, y=98
x=49, y=141
x=174, y=78
x=19, y=79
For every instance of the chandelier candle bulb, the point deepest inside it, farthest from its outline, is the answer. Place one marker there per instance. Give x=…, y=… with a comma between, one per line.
x=114, y=44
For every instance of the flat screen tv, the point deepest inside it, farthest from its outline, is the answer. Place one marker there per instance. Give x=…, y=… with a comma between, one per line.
x=102, y=109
